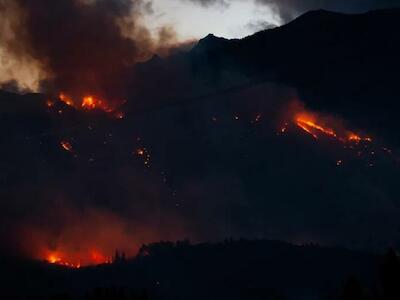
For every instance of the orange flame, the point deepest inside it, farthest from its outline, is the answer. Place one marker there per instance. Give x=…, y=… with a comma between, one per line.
x=88, y=102
x=67, y=100
x=309, y=124
x=306, y=129
x=94, y=257
x=55, y=258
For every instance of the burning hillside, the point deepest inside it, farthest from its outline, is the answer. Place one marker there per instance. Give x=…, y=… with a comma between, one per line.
x=160, y=174
x=310, y=124
x=118, y=147
x=86, y=103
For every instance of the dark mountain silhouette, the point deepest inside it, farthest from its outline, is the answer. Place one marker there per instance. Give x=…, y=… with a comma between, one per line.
x=230, y=270
x=340, y=63
x=209, y=43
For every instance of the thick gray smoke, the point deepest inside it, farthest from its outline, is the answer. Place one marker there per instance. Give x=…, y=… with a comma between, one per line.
x=287, y=10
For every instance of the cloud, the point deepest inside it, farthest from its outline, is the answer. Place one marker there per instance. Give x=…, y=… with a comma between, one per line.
x=209, y=3
x=259, y=25
x=79, y=47
x=287, y=10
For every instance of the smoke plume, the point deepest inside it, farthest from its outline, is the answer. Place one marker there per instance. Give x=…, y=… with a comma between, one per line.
x=78, y=47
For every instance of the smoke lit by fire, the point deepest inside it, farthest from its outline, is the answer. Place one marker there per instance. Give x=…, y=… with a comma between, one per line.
x=84, y=237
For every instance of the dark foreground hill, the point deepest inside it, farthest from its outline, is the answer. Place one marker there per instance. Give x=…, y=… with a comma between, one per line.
x=230, y=270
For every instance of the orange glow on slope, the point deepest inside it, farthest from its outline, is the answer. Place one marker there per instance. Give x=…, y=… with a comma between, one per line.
x=91, y=102
x=52, y=258
x=306, y=129
x=76, y=260
x=88, y=102
x=309, y=123
x=55, y=258
x=67, y=100
x=354, y=137
x=98, y=258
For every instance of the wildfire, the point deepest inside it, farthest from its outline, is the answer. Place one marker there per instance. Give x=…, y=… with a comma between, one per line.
x=49, y=103
x=309, y=124
x=67, y=100
x=54, y=258
x=306, y=129
x=92, y=257
x=354, y=137
x=88, y=102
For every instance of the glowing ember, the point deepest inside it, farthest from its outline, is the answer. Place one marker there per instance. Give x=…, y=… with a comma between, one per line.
x=66, y=146
x=143, y=153
x=67, y=100
x=49, y=103
x=257, y=118
x=354, y=137
x=283, y=129
x=119, y=115
x=140, y=152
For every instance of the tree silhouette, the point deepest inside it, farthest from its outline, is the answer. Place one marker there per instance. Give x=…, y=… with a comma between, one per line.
x=114, y=293
x=390, y=276
x=119, y=257
x=353, y=291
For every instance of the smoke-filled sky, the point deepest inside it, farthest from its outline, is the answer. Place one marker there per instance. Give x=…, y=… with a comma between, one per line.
x=37, y=36
x=238, y=18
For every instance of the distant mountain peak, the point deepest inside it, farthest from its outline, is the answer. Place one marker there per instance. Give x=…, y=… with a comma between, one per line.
x=210, y=42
